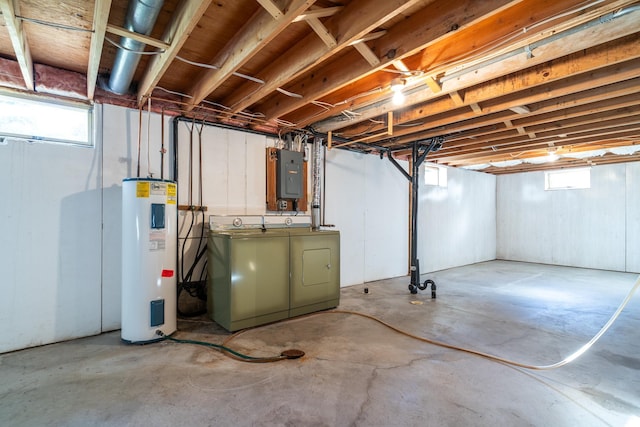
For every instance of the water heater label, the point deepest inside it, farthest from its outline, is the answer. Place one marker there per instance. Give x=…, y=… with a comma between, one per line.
x=158, y=188
x=157, y=241
x=172, y=194
x=142, y=189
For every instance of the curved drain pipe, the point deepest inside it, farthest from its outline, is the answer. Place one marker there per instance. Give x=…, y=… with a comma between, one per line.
x=141, y=17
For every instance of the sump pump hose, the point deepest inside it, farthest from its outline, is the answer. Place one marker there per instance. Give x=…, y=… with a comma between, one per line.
x=556, y=365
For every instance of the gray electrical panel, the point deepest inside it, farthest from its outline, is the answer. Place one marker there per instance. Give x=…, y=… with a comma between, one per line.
x=289, y=175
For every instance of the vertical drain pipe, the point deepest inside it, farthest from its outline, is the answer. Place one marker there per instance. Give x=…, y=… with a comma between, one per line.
x=141, y=17
x=316, y=171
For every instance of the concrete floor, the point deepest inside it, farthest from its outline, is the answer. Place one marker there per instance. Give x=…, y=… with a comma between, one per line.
x=356, y=371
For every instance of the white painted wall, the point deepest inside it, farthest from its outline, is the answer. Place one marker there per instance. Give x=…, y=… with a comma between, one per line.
x=633, y=217
x=593, y=228
x=50, y=220
x=367, y=199
x=233, y=173
x=62, y=272
x=457, y=224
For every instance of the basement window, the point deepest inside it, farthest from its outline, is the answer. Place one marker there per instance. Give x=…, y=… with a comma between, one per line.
x=567, y=179
x=434, y=175
x=48, y=121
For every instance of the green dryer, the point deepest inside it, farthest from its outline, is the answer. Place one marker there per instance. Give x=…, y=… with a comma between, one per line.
x=315, y=270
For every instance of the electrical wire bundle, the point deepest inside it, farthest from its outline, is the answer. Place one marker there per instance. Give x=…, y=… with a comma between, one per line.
x=195, y=288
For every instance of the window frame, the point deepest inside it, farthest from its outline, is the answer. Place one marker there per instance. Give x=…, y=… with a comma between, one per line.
x=51, y=103
x=442, y=175
x=549, y=173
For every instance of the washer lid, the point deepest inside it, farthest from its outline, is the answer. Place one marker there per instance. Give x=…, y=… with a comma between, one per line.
x=282, y=221
x=234, y=222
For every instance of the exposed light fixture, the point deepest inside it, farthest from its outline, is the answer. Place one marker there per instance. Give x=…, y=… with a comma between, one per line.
x=396, y=86
x=398, y=98
x=552, y=156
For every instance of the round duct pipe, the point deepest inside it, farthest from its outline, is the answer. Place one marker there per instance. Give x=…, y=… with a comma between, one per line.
x=141, y=17
x=316, y=172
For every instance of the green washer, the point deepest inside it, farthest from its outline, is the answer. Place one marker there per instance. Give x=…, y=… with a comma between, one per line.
x=248, y=274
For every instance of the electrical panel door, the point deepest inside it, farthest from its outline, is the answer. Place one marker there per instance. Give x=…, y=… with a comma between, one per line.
x=289, y=175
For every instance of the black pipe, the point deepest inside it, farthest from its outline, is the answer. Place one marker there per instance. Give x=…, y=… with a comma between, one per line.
x=397, y=165
x=415, y=263
x=162, y=145
x=417, y=158
x=174, y=129
x=225, y=126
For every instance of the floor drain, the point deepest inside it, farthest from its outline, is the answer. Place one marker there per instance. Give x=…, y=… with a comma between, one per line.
x=292, y=354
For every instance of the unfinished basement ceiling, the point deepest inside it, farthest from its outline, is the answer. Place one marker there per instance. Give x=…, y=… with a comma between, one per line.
x=502, y=81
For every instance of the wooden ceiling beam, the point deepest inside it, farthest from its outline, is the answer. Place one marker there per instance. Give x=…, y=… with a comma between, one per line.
x=460, y=51
x=247, y=42
x=425, y=27
x=318, y=13
x=491, y=138
x=142, y=38
x=100, y=20
x=552, y=122
x=586, y=68
x=19, y=41
x=508, y=139
x=457, y=97
x=357, y=19
x=528, y=145
x=271, y=8
x=322, y=32
x=533, y=150
x=541, y=151
x=563, y=163
x=551, y=138
x=573, y=43
x=183, y=21
x=367, y=54
x=616, y=95
x=368, y=37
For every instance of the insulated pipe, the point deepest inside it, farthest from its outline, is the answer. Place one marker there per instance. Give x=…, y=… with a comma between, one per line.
x=141, y=17
x=317, y=171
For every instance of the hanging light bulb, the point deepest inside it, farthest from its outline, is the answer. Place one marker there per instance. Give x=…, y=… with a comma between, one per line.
x=552, y=156
x=398, y=98
x=397, y=85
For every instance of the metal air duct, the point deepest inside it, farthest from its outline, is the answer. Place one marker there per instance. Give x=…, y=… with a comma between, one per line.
x=141, y=17
x=316, y=172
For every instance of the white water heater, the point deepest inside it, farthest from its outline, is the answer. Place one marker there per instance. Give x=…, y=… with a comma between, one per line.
x=149, y=239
